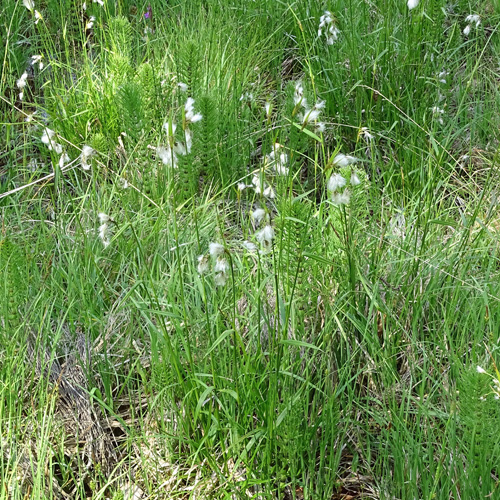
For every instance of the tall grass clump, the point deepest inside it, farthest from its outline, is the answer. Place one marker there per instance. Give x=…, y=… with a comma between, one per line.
x=249, y=249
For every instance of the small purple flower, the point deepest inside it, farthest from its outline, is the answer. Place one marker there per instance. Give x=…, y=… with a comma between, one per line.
x=148, y=13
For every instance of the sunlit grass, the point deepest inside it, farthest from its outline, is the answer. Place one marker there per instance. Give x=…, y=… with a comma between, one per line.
x=243, y=258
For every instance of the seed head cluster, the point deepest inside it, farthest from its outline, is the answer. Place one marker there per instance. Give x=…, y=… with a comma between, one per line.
x=307, y=114
x=328, y=28
x=21, y=83
x=169, y=154
x=48, y=138
x=336, y=186
x=104, y=229
x=471, y=19
x=221, y=268
x=30, y=5
x=217, y=253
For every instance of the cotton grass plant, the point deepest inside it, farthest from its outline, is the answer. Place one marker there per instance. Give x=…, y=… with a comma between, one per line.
x=249, y=250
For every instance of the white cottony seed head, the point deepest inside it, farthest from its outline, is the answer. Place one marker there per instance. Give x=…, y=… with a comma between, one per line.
x=265, y=237
x=335, y=198
x=29, y=4
x=269, y=193
x=21, y=83
x=310, y=115
x=355, y=179
x=280, y=164
x=480, y=370
x=473, y=18
x=345, y=197
x=258, y=214
x=180, y=148
x=203, y=264
x=215, y=250
x=320, y=127
x=47, y=138
x=279, y=161
x=189, y=104
x=256, y=184
x=63, y=160
x=220, y=279
x=47, y=135
x=437, y=112
x=167, y=156
x=189, y=140
x=249, y=246
x=442, y=76
x=343, y=160
x=341, y=198
x=366, y=134
x=195, y=118
x=104, y=235
x=103, y=218
x=104, y=232
x=221, y=272
x=327, y=23
x=190, y=115
x=37, y=60
x=90, y=23
x=298, y=96
x=87, y=152
x=333, y=35
x=221, y=266
x=412, y=4
x=324, y=21
x=247, y=97
x=336, y=182
x=56, y=147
